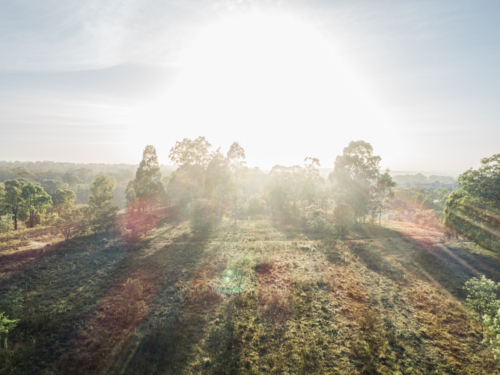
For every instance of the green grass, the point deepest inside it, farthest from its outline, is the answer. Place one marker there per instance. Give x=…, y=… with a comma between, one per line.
x=385, y=300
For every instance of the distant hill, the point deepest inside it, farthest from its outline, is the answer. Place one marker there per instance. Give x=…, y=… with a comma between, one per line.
x=95, y=167
x=412, y=176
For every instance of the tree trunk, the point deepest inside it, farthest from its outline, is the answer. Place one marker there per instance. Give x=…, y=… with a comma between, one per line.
x=218, y=204
x=15, y=221
x=235, y=208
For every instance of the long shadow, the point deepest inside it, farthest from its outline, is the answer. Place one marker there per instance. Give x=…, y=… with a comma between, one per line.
x=63, y=285
x=362, y=231
x=448, y=265
x=451, y=266
x=225, y=341
x=376, y=262
x=22, y=260
x=61, y=289
x=171, y=322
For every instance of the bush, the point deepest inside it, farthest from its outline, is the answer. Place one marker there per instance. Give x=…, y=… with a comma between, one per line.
x=482, y=295
x=482, y=300
x=316, y=221
x=6, y=325
x=10, y=307
x=49, y=220
x=492, y=335
x=202, y=216
x=342, y=218
x=6, y=226
x=12, y=303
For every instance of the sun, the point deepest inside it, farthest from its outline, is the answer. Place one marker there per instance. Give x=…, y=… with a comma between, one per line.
x=264, y=61
x=250, y=76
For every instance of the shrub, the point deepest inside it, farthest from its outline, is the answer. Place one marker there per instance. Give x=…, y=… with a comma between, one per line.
x=316, y=221
x=10, y=307
x=482, y=296
x=492, y=335
x=482, y=300
x=342, y=218
x=6, y=325
x=49, y=219
x=12, y=303
x=6, y=226
x=202, y=217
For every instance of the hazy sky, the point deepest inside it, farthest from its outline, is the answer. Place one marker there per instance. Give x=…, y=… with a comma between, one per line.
x=95, y=81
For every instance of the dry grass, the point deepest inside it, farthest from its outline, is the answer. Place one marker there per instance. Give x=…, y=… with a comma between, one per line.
x=384, y=301
x=275, y=291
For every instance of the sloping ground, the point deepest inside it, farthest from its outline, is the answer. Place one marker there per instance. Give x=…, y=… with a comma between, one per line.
x=383, y=301
x=27, y=239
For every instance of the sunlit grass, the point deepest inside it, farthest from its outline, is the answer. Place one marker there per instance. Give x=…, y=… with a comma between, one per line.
x=385, y=300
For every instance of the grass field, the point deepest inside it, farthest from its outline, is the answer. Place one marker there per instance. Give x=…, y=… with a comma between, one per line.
x=255, y=298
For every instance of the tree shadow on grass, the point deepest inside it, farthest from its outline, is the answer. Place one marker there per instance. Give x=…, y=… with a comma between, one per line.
x=71, y=289
x=61, y=286
x=170, y=328
x=451, y=265
x=362, y=231
x=375, y=261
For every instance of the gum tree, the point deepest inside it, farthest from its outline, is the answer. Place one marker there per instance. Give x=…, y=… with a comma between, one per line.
x=147, y=185
x=358, y=182
x=101, y=214
x=35, y=201
x=11, y=201
x=236, y=160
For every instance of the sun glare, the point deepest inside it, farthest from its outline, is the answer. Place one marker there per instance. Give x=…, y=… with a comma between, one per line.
x=259, y=73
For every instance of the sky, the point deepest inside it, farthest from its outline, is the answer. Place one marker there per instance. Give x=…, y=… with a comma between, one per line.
x=89, y=81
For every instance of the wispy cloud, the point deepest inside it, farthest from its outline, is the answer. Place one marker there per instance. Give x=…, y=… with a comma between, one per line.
x=92, y=34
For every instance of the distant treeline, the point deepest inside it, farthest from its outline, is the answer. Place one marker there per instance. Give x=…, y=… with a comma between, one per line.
x=61, y=166
x=207, y=185
x=76, y=177
x=419, y=178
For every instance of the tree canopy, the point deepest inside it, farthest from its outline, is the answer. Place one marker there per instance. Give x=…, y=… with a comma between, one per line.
x=35, y=201
x=11, y=201
x=102, y=213
x=473, y=211
x=358, y=182
x=147, y=187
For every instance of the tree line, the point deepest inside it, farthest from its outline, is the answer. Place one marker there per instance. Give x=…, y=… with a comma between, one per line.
x=207, y=185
